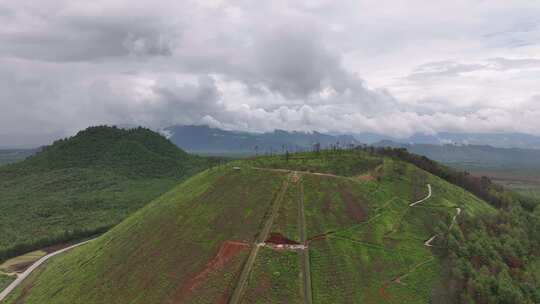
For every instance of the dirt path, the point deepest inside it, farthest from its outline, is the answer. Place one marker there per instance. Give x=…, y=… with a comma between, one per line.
x=424, y=199
x=27, y=272
x=263, y=235
x=454, y=218
x=428, y=242
x=305, y=266
x=300, y=172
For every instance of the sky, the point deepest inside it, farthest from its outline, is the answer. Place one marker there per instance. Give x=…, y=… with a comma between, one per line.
x=390, y=67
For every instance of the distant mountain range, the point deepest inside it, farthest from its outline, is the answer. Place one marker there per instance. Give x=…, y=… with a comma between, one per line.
x=12, y=155
x=480, y=150
x=498, y=140
x=512, y=150
x=204, y=139
x=472, y=155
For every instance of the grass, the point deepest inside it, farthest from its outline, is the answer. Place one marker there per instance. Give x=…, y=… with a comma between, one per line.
x=286, y=222
x=14, y=264
x=86, y=184
x=166, y=252
x=275, y=278
x=5, y=280
x=345, y=163
x=357, y=261
x=163, y=245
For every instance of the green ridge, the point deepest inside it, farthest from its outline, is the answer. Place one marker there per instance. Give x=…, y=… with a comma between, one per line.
x=85, y=184
x=366, y=243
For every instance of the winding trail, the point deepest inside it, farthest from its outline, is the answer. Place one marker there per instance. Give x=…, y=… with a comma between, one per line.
x=424, y=199
x=263, y=235
x=454, y=218
x=426, y=243
x=27, y=272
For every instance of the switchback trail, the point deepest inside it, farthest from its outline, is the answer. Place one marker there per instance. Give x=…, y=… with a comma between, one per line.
x=263, y=235
x=424, y=199
x=27, y=272
x=458, y=212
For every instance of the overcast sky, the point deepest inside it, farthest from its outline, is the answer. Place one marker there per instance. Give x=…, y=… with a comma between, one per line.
x=392, y=67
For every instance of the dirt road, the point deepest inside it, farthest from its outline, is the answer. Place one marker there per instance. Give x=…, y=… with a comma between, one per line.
x=27, y=272
x=305, y=266
x=263, y=235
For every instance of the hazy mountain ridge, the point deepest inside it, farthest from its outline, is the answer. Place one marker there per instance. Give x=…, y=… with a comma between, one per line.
x=8, y=156
x=207, y=139
x=497, y=140
x=476, y=155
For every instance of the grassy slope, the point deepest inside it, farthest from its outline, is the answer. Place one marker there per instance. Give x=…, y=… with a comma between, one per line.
x=85, y=184
x=358, y=261
x=150, y=257
x=276, y=276
x=5, y=280
x=376, y=237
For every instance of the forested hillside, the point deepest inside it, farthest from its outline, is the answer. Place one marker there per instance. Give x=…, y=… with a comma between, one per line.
x=493, y=257
x=85, y=184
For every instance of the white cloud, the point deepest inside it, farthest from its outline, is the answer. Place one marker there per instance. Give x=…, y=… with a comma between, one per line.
x=395, y=67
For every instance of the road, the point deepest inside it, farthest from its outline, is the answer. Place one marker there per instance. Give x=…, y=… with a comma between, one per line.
x=244, y=276
x=306, y=268
x=27, y=272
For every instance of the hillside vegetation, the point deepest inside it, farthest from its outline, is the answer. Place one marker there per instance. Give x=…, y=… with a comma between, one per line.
x=375, y=230
x=86, y=184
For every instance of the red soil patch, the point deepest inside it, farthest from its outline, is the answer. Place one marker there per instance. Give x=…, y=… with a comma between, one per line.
x=327, y=204
x=382, y=292
x=278, y=238
x=318, y=237
x=366, y=177
x=226, y=252
x=355, y=209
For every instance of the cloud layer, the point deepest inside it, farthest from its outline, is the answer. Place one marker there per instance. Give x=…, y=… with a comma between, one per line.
x=395, y=67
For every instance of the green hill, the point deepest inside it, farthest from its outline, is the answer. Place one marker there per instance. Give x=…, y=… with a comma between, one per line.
x=343, y=227
x=85, y=184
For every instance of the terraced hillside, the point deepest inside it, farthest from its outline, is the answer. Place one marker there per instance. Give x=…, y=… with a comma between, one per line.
x=86, y=184
x=272, y=230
